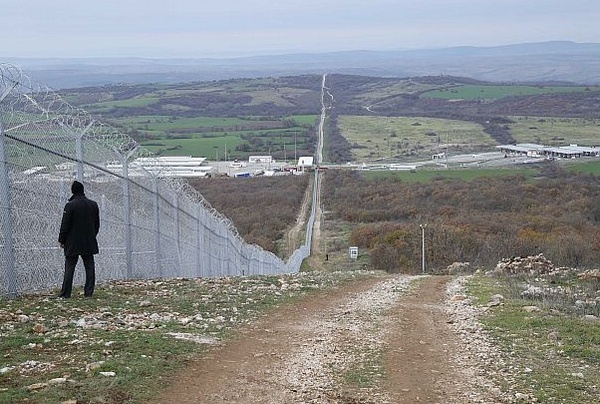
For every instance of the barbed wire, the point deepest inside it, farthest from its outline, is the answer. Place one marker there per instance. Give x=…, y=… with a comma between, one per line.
x=155, y=225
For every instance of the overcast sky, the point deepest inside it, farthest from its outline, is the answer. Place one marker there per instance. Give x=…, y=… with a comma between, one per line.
x=199, y=28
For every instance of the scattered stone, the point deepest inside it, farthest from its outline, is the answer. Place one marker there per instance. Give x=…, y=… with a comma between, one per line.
x=482, y=358
x=58, y=380
x=457, y=268
x=495, y=300
x=23, y=318
x=37, y=386
x=199, y=339
x=6, y=369
x=590, y=275
x=532, y=265
x=531, y=309
x=145, y=303
x=93, y=366
x=554, y=336
x=521, y=396
x=31, y=366
x=39, y=328
x=108, y=374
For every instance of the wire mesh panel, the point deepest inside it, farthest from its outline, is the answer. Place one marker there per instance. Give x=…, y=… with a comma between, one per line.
x=152, y=225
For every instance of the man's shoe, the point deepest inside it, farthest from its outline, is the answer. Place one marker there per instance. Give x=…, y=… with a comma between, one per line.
x=61, y=296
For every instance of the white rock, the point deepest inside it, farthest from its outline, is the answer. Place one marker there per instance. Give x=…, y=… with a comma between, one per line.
x=108, y=374
x=94, y=366
x=37, y=386
x=58, y=380
x=521, y=396
x=23, y=318
x=6, y=369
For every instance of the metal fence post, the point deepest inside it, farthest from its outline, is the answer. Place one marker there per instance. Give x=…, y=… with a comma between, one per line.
x=79, y=152
x=222, y=242
x=227, y=254
x=210, y=247
x=8, y=251
x=157, y=248
x=177, y=231
x=127, y=212
x=198, y=265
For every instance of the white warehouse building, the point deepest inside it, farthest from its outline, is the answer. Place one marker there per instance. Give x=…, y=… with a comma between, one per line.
x=166, y=166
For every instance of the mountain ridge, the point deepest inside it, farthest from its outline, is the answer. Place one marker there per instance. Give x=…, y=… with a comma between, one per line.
x=563, y=61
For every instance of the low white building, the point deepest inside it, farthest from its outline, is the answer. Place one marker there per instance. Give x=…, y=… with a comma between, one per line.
x=536, y=150
x=305, y=162
x=165, y=166
x=261, y=159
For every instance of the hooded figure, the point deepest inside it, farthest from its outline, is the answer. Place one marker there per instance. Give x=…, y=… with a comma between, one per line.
x=78, y=230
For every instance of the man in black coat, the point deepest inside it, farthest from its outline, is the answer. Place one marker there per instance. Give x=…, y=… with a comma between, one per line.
x=78, y=230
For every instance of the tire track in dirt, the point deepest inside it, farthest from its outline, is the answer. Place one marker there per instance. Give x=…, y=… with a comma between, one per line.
x=427, y=361
x=249, y=368
x=300, y=353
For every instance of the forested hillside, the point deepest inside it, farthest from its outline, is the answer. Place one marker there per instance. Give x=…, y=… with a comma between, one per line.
x=479, y=221
x=261, y=208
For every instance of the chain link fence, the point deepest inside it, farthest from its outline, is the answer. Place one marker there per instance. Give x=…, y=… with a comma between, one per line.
x=152, y=225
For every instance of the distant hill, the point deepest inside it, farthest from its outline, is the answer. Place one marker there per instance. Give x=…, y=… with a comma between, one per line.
x=558, y=61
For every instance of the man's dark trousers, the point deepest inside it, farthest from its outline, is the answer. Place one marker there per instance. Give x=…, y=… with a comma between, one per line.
x=90, y=275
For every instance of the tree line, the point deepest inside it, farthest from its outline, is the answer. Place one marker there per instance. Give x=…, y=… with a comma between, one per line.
x=261, y=208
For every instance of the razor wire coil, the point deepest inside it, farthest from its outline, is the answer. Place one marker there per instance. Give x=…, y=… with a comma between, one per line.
x=152, y=225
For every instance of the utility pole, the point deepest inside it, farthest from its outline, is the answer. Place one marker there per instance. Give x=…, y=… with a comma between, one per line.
x=423, y=226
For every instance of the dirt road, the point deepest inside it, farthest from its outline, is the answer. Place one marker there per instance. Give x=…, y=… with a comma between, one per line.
x=380, y=340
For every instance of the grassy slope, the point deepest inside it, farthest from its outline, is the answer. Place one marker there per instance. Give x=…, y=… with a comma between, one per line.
x=553, y=351
x=54, y=350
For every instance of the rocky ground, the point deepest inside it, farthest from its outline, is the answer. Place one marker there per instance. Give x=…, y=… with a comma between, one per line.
x=394, y=339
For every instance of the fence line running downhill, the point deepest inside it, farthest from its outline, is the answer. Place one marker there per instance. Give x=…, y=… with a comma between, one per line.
x=152, y=226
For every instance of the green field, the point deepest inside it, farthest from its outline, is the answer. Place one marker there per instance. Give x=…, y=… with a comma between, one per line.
x=216, y=138
x=129, y=103
x=586, y=168
x=407, y=86
x=555, y=131
x=375, y=138
x=161, y=123
x=210, y=147
x=493, y=92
